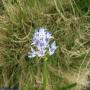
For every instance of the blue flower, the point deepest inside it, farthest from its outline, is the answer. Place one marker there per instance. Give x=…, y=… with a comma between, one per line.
x=41, y=40
x=52, y=48
x=41, y=52
x=32, y=53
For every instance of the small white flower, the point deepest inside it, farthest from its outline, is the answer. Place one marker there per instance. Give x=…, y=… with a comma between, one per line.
x=32, y=53
x=52, y=48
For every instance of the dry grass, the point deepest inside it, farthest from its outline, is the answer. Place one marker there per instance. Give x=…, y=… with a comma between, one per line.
x=71, y=30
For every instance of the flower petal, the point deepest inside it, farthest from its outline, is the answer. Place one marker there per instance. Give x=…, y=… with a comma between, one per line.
x=52, y=48
x=41, y=53
x=32, y=53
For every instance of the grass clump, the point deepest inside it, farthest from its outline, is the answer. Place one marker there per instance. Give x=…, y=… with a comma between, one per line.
x=68, y=67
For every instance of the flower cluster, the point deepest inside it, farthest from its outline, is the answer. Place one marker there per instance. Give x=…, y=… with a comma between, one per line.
x=41, y=40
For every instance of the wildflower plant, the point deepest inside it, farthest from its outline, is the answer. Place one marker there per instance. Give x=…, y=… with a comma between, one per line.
x=41, y=41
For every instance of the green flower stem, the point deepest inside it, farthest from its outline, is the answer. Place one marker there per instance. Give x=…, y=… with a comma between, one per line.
x=45, y=74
